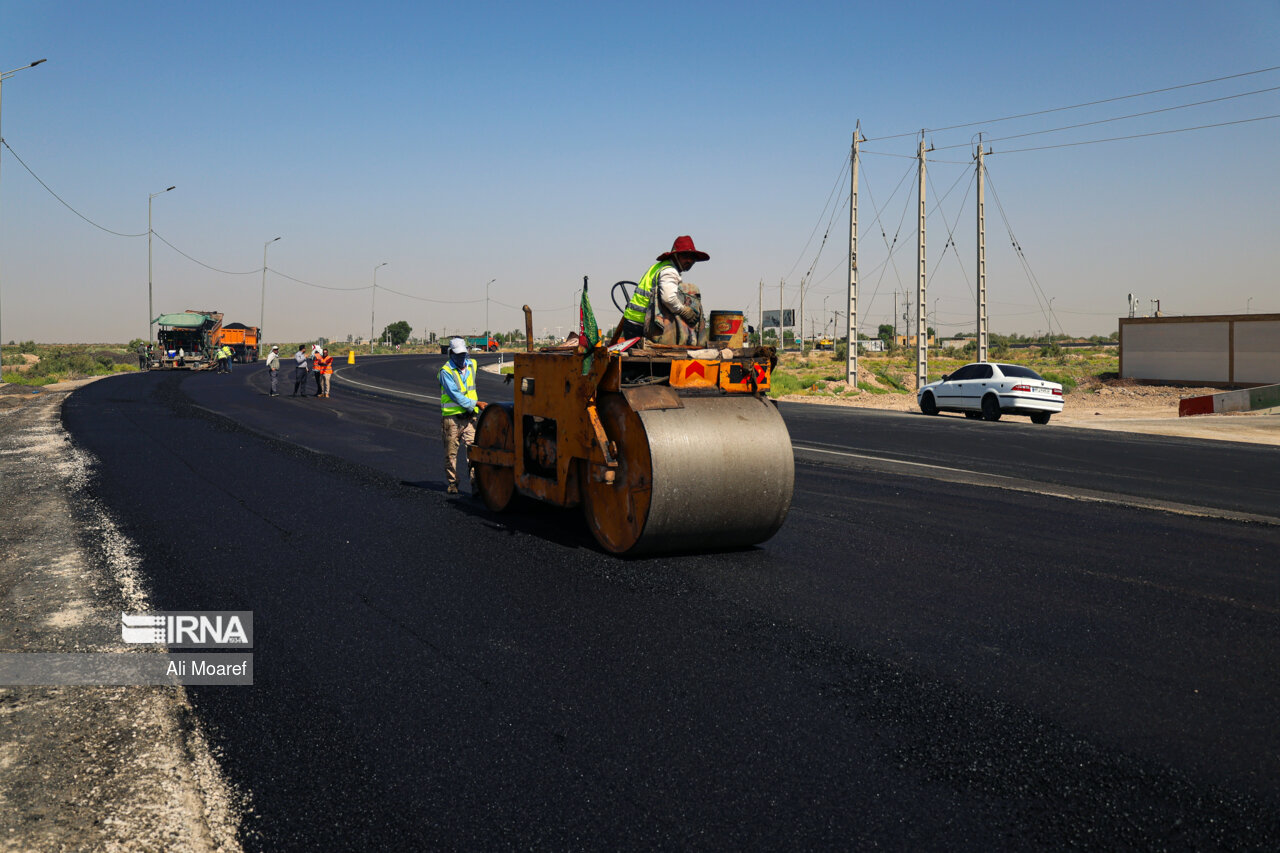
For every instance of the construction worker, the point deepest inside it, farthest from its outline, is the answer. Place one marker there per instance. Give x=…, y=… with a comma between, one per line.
x=676, y=315
x=324, y=370
x=300, y=371
x=229, y=355
x=273, y=367
x=316, y=352
x=459, y=406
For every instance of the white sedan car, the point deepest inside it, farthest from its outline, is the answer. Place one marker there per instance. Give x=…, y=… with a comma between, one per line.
x=988, y=390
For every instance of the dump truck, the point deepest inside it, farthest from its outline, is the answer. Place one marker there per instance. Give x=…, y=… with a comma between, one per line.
x=186, y=340
x=475, y=343
x=242, y=339
x=665, y=448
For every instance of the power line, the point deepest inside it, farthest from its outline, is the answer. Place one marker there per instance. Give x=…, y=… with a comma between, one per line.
x=202, y=263
x=60, y=199
x=1137, y=135
x=1081, y=106
x=1116, y=118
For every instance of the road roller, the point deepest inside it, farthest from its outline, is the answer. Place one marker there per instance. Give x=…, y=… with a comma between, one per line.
x=665, y=448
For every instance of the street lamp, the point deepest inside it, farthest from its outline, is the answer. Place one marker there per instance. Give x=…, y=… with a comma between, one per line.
x=150, y=308
x=486, y=306
x=374, y=305
x=5, y=76
x=262, y=316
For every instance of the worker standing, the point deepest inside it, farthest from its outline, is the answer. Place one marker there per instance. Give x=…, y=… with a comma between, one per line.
x=324, y=371
x=300, y=371
x=459, y=405
x=273, y=368
x=231, y=356
x=676, y=316
x=316, y=352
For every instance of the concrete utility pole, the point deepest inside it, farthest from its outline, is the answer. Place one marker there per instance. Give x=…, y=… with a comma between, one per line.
x=801, y=326
x=760, y=313
x=982, y=260
x=851, y=316
x=922, y=354
x=782, y=317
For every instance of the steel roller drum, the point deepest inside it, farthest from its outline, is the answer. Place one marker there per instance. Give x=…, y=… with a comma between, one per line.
x=717, y=473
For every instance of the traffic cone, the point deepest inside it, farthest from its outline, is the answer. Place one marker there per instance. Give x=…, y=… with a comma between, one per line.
x=351, y=356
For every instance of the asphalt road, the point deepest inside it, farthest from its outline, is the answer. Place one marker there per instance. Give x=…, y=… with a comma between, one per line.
x=930, y=653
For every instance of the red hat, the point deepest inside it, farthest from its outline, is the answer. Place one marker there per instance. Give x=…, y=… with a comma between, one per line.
x=684, y=246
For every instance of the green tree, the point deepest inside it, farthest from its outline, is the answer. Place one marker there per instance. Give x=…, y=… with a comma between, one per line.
x=885, y=333
x=397, y=333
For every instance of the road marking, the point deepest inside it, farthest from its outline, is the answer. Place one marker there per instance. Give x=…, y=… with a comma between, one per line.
x=1053, y=490
x=338, y=374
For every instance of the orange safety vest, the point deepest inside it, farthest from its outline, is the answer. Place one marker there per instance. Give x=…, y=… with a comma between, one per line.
x=324, y=364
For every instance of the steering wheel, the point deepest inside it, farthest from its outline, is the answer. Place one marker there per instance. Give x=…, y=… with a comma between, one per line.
x=626, y=296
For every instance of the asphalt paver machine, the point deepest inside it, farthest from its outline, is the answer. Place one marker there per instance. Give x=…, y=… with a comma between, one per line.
x=667, y=449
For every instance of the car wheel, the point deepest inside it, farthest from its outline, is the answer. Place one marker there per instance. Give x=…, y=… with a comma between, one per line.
x=928, y=405
x=1040, y=418
x=990, y=408
x=973, y=416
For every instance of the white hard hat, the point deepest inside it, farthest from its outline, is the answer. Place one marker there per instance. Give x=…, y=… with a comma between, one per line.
x=457, y=345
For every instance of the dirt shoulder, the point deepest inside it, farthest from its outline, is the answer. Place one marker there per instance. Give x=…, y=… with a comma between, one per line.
x=86, y=768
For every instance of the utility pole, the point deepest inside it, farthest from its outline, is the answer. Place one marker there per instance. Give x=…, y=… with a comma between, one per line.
x=801, y=326
x=922, y=354
x=895, y=318
x=982, y=260
x=781, y=318
x=760, y=314
x=851, y=316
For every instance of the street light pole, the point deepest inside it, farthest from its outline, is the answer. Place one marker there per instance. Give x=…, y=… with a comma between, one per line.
x=151, y=315
x=487, y=330
x=5, y=76
x=262, y=315
x=374, y=305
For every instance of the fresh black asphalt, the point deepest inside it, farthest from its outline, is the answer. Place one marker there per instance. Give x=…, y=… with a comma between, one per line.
x=909, y=663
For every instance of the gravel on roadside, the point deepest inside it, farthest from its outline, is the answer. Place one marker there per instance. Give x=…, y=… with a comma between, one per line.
x=86, y=768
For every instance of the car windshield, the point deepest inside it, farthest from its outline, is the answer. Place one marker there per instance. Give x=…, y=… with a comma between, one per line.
x=1017, y=371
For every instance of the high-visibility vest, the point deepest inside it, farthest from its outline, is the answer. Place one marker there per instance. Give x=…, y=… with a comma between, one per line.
x=638, y=307
x=466, y=379
x=324, y=363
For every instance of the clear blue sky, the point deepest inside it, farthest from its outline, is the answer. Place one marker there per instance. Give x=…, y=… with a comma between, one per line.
x=538, y=143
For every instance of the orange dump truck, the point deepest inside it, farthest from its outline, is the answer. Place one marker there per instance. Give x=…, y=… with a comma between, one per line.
x=242, y=339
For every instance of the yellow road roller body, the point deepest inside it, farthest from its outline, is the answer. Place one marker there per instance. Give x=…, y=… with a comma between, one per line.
x=664, y=451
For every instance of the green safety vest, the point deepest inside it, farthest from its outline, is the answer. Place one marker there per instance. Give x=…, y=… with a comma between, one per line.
x=638, y=308
x=466, y=379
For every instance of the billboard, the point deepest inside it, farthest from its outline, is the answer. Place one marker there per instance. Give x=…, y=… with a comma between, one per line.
x=770, y=318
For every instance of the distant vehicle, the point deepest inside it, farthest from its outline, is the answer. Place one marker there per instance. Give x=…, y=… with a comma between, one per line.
x=475, y=342
x=242, y=339
x=825, y=343
x=988, y=390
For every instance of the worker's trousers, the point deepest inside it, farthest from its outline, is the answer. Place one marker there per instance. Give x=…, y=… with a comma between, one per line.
x=275, y=375
x=300, y=380
x=456, y=431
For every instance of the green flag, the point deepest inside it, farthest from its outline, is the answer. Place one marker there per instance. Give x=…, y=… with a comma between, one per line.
x=590, y=330
x=589, y=327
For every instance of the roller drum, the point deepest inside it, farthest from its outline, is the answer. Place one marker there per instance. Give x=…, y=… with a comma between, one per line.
x=717, y=473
